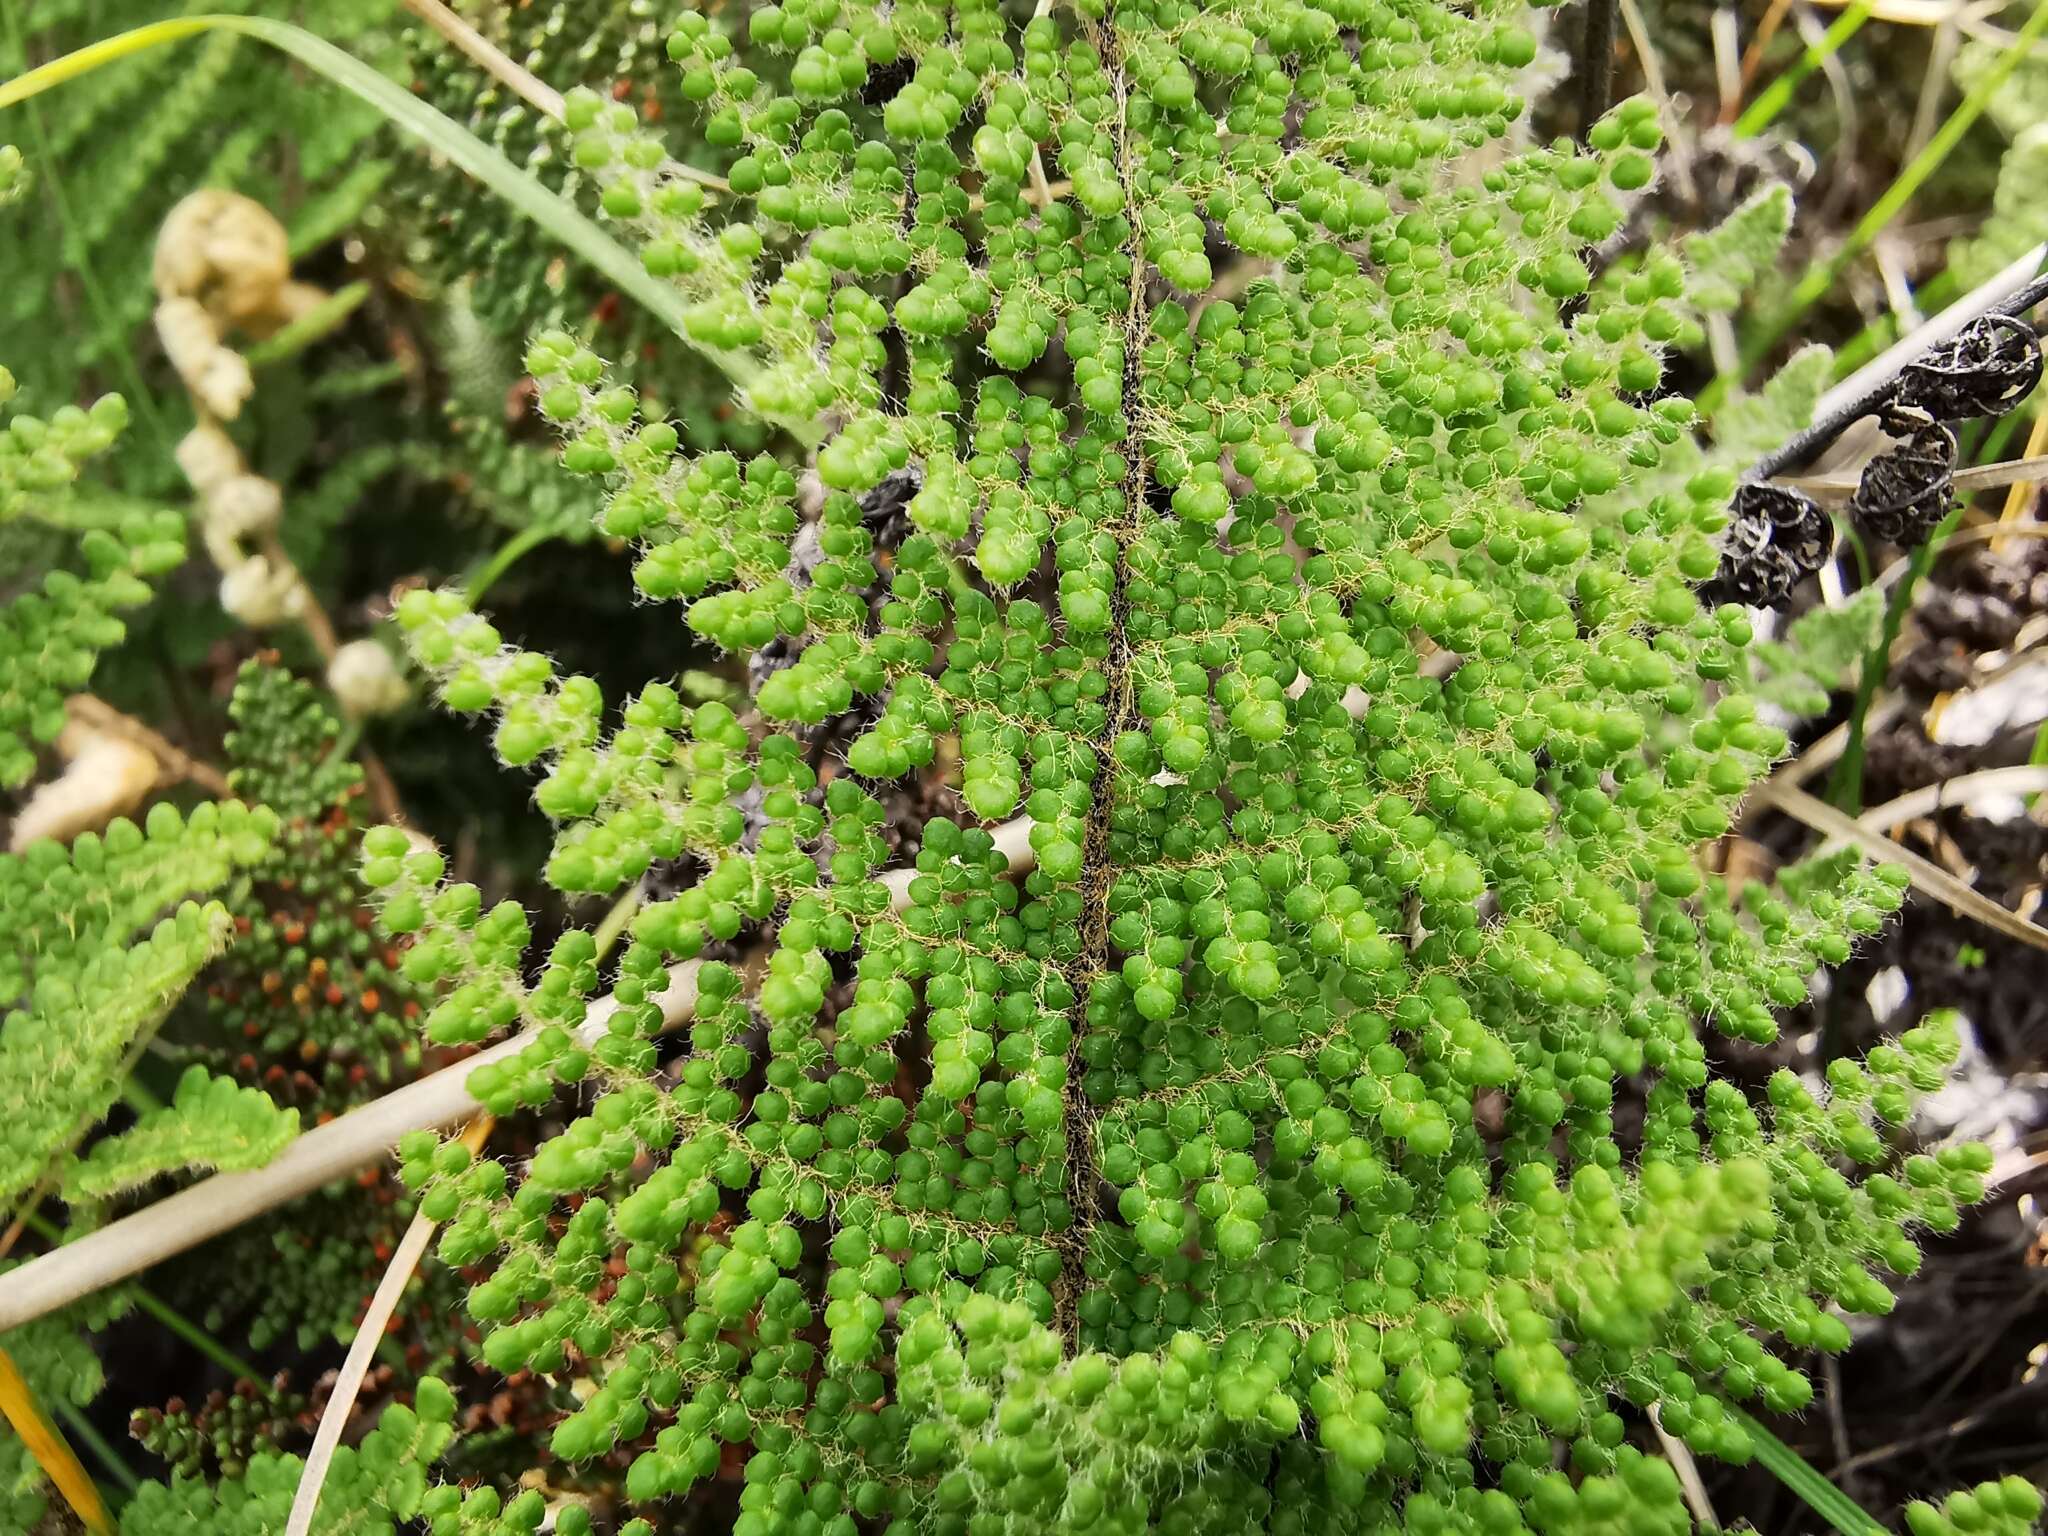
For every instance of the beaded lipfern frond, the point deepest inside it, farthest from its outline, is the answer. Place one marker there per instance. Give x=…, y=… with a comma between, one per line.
x=503, y=282
x=1286, y=542
x=375, y=1488
x=308, y=1003
x=2010, y=1506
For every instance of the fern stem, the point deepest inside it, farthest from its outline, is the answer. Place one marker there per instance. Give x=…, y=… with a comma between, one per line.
x=25, y=1213
x=506, y=556
x=1833, y=419
x=148, y=1302
x=1764, y=111
x=1596, y=65
x=1875, y=356
x=86, y=1434
x=345, y=741
x=1097, y=868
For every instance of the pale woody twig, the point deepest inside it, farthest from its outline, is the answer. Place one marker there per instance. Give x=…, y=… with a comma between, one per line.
x=522, y=82
x=1926, y=877
x=1689, y=1480
x=343, y=1145
x=1840, y=484
x=1871, y=386
x=1725, y=26
x=348, y=1384
x=1955, y=794
x=328, y=1152
x=1986, y=296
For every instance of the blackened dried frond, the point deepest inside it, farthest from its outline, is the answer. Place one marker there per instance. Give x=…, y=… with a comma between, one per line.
x=1905, y=493
x=1777, y=536
x=1985, y=369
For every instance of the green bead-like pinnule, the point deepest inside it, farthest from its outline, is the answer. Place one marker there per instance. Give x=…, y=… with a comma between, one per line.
x=505, y=278
x=1229, y=460
x=310, y=1002
x=380, y=1484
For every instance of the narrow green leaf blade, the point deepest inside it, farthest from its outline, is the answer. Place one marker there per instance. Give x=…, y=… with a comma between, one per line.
x=1798, y=1474
x=446, y=138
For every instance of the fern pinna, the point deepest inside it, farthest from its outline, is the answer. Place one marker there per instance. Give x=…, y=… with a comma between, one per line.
x=1287, y=543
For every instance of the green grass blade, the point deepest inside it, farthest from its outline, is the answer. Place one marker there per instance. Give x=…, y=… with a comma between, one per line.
x=1825, y=272
x=451, y=140
x=1798, y=1474
x=1765, y=109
